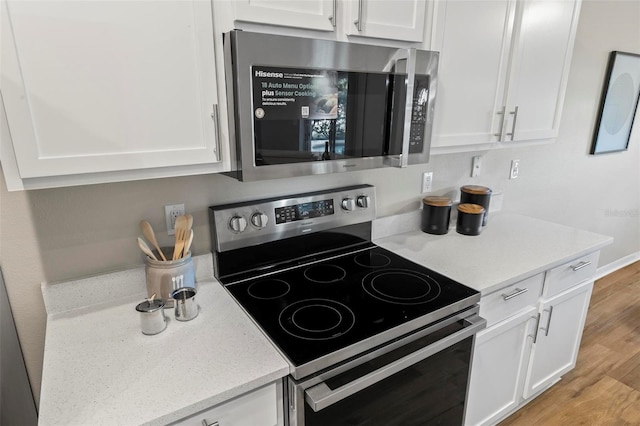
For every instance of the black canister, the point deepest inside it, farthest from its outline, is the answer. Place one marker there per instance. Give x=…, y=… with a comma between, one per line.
x=436, y=212
x=475, y=194
x=470, y=219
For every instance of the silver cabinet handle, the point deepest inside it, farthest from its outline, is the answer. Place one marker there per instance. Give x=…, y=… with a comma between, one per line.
x=546, y=330
x=581, y=265
x=358, y=22
x=535, y=330
x=332, y=18
x=513, y=125
x=206, y=423
x=501, y=129
x=321, y=396
x=216, y=120
x=514, y=293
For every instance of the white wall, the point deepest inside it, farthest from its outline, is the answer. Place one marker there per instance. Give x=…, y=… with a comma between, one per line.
x=58, y=234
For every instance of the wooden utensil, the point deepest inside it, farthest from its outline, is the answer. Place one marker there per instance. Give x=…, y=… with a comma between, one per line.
x=148, y=233
x=182, y=222
x=145, y=249
x=187, y=244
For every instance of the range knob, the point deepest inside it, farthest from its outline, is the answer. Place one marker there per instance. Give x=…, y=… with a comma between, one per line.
x=363, y=201
x=259, y=220
x=237, y=224
x=348, y=204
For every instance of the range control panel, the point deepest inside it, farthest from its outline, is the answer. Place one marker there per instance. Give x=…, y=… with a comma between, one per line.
x=255, y=222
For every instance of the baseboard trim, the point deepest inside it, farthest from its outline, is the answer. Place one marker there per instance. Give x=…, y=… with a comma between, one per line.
x=617, y=264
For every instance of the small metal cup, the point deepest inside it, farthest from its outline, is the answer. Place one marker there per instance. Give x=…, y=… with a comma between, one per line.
x=152, y=319
x=185, y=307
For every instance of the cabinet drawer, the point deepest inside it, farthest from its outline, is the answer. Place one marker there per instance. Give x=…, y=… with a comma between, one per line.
x=257, y=408
x=571, y=273
x=503, y=303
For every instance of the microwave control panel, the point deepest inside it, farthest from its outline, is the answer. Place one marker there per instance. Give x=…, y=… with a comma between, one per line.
x=419, y=114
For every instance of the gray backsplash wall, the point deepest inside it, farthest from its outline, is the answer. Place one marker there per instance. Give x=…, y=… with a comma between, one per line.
x=59, y=234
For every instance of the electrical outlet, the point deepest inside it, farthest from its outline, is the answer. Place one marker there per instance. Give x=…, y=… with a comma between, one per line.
x=475, y=168
x=171, y=213
x=515, y=169
x=427, y=182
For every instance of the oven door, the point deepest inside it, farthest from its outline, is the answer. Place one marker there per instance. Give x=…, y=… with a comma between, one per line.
x=418, y=380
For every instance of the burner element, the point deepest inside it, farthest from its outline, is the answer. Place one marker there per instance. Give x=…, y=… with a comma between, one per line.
x=324, y=273
x=268, y=289
x=317, y=319
x=372, y=260
x=401, y=286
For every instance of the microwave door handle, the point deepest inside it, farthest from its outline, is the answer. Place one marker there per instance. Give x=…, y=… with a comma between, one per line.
x=321, y=396
x=408, y=55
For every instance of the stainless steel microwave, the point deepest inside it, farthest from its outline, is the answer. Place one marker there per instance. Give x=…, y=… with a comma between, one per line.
x=300, y=106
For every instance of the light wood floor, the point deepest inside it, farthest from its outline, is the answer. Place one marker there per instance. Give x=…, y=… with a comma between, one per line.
x=604, y=388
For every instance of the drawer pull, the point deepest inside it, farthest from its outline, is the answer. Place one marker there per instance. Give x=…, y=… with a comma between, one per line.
x=514, y=293
x=581, y=265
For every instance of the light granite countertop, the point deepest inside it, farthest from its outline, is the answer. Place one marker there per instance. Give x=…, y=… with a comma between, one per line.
x=99, y=369
x=510, y=248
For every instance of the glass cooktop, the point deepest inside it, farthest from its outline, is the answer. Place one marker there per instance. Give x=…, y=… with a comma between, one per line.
x=313, y=310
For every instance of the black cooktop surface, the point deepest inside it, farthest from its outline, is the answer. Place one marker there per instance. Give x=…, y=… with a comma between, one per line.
x=313, y=310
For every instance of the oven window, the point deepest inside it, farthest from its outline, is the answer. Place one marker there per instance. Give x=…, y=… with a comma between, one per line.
x=431, y=392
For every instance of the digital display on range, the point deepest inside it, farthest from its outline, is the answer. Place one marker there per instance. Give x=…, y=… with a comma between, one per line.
x=304, y=211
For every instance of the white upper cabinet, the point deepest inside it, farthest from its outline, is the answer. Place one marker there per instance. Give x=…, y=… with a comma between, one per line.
x=388, y=19
x=542, y=54
x=503, y=70
x=310, y=14
x=474, y=40
x=401, y=20
x=105, y=86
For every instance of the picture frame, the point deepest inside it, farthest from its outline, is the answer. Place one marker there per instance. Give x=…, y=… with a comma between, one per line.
x=618, y=103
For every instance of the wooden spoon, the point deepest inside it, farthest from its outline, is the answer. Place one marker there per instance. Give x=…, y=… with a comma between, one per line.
x=148, y=233
x=145, y=249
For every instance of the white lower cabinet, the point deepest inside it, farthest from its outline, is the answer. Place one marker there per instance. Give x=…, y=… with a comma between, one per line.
x=262, y=407
x=499, y=365
x=533, y=337
x=558, y=337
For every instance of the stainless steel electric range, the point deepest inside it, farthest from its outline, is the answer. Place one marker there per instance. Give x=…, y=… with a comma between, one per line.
x=371, y=337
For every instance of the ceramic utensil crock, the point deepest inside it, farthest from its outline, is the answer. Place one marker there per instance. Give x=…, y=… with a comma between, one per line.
x=165, y=277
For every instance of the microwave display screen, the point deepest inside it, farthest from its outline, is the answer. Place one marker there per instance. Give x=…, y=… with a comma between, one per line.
x=304, y=211
x=302, y=115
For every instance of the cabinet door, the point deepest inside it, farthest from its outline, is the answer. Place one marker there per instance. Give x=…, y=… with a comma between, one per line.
x=388, y=19
x=474, y=40
x=262, y=407
x=542, y=55
x=499, y=365
x=103, y=86
x=308, y=14
x=558, y=337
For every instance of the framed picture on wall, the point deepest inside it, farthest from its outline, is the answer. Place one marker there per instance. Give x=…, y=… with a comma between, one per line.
x=618, y=104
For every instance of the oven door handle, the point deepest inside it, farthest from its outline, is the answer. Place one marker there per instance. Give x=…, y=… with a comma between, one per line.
x=320, y=396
